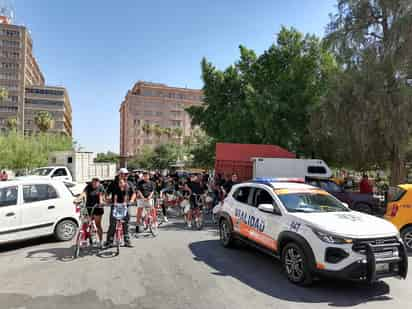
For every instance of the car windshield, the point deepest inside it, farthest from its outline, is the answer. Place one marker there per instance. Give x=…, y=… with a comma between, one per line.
x=311, y=202
x=42, y=171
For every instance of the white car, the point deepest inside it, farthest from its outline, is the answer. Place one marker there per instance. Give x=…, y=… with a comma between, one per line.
x=311, y=232
x=34, y=208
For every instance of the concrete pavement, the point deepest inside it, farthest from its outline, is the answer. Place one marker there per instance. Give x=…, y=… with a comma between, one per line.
x=178, y=269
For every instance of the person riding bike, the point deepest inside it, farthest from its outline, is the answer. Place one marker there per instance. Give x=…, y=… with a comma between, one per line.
x=195, y=188
x=122, y=192
x=145, y=192
x=93, y=193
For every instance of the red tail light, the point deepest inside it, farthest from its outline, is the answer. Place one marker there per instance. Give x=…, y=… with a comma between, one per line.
x=394, y=210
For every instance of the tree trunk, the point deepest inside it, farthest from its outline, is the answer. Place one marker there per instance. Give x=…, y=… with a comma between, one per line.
x=397, y=167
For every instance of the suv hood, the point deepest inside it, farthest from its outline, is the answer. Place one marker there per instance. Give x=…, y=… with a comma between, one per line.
x=349, y=224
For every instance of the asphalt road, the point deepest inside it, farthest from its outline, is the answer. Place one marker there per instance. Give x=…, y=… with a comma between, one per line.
x=178, y=269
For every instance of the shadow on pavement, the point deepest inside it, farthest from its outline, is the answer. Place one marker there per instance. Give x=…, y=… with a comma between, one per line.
x=264, y=274
x=23, y=244
x=52, y=254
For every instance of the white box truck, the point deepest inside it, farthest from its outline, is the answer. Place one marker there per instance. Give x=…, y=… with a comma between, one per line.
x=290, y=168
x=78, y=166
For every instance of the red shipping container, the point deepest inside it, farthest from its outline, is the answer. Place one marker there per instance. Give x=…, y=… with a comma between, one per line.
x=237, y=158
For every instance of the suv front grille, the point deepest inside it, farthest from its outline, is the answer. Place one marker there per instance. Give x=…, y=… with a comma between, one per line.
x=359, y=245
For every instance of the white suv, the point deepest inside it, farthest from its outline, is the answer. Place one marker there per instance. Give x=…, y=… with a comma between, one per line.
x=34, y=208
x=311, y=232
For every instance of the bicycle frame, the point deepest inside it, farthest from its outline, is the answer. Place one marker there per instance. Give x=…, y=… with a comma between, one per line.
x=87, y=229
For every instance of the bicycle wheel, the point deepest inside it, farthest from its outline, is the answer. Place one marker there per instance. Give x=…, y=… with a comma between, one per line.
x=199, y=222
x=77, y=247
x=153, y=227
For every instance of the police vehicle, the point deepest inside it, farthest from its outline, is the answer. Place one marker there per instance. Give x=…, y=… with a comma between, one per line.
x=311, y=232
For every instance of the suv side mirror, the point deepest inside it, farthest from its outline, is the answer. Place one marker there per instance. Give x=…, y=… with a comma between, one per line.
x=266, y=208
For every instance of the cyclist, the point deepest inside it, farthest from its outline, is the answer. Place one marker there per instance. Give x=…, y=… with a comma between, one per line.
x=145, y=192
x=93, y=193
x=227, y=186
x=194, y=187
x=122, y=191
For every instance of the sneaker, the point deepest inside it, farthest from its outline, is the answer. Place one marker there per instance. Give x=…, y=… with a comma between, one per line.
x=189, y=225
x=165, y=219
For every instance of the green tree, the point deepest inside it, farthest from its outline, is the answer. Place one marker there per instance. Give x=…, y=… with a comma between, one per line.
x=25, y=152
x=147, y=129
x=43, y=121
x=368, y=109
x=168, y=132
x=11, y=123
x=107, y=157
x=3, y=94
x=265, y=99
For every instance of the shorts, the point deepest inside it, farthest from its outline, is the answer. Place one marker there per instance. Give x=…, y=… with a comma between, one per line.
x=96, y=211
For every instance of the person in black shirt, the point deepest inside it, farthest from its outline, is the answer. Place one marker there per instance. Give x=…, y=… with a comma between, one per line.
x=227, y=186
x=94, y=200
x=145, y=192
x=122, y=191
x=195, y=188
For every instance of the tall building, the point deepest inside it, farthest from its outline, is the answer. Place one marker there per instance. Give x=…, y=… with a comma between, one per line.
x=19, y=71
x=55, y=100
x=151, y=105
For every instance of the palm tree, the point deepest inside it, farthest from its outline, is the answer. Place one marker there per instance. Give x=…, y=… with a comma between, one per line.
x=178, y=132
x=168, y=132
x=158, y=131
x=11, y=123
x=3, y=94
x=147, y=129
x=44, y=121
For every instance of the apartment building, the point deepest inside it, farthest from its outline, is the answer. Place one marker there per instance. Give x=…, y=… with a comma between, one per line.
x=153, y=105
x=55, y=100
x=20, y=71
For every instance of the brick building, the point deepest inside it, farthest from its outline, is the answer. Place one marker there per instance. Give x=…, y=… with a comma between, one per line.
x=152, y=105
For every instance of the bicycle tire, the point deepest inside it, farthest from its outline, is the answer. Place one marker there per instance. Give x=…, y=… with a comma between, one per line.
x=199, y=223
x=117, y=247
x=154, y=229
x=77, y=246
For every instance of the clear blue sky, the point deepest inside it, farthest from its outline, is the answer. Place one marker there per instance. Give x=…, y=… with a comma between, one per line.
x=98, y=49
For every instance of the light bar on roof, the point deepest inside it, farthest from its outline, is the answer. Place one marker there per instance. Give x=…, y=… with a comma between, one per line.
x=270, y=180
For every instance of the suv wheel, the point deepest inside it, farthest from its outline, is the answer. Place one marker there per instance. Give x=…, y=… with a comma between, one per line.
x=65, y=230
x=295, y=264
x=406, y=235
x=225, y=233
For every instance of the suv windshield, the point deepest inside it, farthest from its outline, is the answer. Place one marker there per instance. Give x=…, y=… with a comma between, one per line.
x=42, y=171
x=311, y=202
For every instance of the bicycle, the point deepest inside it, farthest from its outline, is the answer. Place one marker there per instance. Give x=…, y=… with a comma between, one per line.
x=86, y=236
x=119, y=213
x=149, y=216
x=197, y=212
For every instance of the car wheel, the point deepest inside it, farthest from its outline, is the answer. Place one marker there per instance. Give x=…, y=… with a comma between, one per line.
x=225, y=233
x=361, y=207
x=296, y=265
x=406, y=235
x=65, y=230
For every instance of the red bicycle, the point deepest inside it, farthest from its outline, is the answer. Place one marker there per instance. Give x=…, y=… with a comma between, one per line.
x=119, y=213
x=149, y=217
x=87, y=234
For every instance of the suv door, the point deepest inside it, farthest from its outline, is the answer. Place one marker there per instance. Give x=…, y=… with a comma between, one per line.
x=39, y=207
x=10, y=213
x=60, y=174
x=271, y=226
x=240, y=210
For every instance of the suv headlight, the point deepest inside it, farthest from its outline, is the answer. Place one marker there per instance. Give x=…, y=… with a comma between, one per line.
x=331, y=239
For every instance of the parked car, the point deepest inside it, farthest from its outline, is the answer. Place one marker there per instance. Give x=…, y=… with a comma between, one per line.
x=362, y=202
x=34, y=208
x=399, y=211
x=311, y=232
